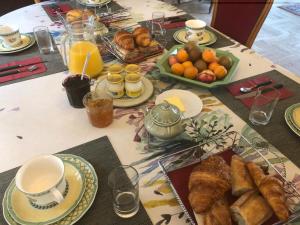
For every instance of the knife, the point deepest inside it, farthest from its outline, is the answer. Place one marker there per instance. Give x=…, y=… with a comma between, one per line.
x=253, y=93
x=19, y=66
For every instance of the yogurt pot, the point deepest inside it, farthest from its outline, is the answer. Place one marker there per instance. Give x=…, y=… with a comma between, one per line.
x=10, y=35
x=115, y=85
x=133, y=85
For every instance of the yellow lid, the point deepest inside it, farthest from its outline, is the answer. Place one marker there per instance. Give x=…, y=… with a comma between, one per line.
x=115, y=68
x=114, y=78
x=132, y=68
x=132, y=77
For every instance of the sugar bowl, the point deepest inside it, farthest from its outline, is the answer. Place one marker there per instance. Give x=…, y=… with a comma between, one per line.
x=164, y=121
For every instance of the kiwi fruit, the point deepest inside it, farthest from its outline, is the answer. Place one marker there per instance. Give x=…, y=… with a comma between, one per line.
x=225, y=61
x=189, y=46
x=195, y=54
x=200, y=65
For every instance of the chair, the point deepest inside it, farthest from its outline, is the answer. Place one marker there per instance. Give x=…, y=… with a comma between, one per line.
x=12, y=5
x=240, y=19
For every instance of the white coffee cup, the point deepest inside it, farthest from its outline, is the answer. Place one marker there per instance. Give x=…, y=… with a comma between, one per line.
x=10, y=35
x=195, y=30
x=42, y=180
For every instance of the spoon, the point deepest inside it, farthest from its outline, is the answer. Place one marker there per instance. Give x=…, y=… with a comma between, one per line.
x=249, y=89
x=30, y=69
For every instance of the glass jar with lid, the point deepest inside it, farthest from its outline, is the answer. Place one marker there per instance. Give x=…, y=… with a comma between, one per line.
x=115, y=85
x=133, y=85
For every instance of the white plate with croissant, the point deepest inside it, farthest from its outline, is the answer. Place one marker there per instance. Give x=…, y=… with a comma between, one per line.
x=224, y=189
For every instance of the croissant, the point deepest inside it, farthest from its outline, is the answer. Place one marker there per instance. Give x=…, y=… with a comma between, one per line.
x=78, y=14
x=272, y=190
x=142, y=36
x=208, y=183
x=124, y=39
x=241, y=180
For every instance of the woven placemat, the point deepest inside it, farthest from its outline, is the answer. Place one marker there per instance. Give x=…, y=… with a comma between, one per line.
x=54, y=62
x=277, y=131
x=102, y=156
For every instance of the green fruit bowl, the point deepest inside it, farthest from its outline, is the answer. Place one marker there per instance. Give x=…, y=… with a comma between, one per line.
x=165, y=69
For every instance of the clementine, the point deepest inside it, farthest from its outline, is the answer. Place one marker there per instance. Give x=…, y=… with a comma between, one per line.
x=177, y=69
x=187, y=64
x=190, y=72
x=182, y=55
x=209, y=55
x=220, y=72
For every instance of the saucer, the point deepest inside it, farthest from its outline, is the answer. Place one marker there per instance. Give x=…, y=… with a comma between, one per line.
x=27, y=41
x=126, y=101
x=192, y=103
x=208, y=39
x=288, y=115
x=80, y=175
x=93, y=4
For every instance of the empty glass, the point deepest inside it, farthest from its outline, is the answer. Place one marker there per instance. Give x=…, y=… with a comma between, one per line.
x=124, y=182
x=263, y=106
x=43, y=39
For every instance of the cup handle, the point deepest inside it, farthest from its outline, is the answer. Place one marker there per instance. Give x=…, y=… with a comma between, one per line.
x=57, y=195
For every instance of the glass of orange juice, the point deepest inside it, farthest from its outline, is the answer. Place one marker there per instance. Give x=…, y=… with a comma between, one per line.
x=77, y=44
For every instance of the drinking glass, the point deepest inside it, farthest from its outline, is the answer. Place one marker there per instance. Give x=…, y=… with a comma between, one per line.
x=99, y=107
x=43, y=39
x=157, y=23
x=124, y=182
x=263, y=106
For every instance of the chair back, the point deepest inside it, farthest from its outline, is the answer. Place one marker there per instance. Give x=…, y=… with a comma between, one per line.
x=240, y=19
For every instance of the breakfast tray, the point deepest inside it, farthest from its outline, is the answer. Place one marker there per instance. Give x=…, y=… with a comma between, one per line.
x=176, y=168
x=135, y=56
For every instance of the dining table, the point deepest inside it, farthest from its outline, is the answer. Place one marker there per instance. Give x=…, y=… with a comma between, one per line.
x=36, y=118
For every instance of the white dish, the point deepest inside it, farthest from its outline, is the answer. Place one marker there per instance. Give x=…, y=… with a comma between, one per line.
x=125, y=101
x=192, y=103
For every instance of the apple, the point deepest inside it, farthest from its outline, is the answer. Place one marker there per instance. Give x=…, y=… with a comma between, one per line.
x=172, y=60
x=206, y=76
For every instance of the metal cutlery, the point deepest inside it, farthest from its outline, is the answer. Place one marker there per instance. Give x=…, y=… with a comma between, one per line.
x=19, y=66
x=29, y=69
x=249, y=89
x=253, y=93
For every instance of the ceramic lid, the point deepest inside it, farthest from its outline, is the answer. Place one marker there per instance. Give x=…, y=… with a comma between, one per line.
x=165, y=114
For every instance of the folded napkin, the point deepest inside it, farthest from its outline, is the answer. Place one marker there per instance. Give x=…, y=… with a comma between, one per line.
x=174, y=25
x=52, y=9
x=25, y=73
x=234, y=89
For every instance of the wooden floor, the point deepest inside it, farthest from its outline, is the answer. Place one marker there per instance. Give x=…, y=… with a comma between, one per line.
x=278, y=39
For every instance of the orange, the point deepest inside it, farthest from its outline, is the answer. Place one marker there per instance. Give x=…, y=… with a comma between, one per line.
x=177, y=69
x=187, y=64
x=213, y=65
x=220, y=72
x=182, y=55
x=209, y=55
x=190, y=72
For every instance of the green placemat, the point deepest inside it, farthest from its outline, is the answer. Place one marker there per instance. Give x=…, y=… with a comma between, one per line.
x=102, y=156
x=277, y=131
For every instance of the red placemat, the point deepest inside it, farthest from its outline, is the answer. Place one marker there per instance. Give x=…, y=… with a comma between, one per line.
x=180, y=179
x=25, y=73
x=234, y=89
x=174, y=25
x=52, y=9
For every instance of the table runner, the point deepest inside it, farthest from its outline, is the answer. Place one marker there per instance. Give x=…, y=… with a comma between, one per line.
x=285, y=140
x=54, y=62
x=102, y=156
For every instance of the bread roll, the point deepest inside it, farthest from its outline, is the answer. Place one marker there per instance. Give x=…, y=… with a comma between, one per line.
x=251, y=209
x=240, y=177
